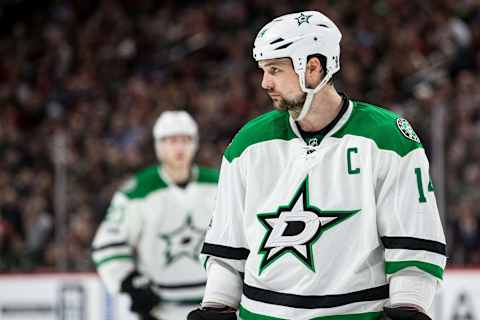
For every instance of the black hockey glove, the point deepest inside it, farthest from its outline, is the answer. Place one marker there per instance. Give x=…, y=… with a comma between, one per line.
x=138, y=287
x=225, y=313
x=404, y=313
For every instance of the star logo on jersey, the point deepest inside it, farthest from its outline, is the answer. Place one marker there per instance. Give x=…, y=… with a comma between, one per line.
x=185, y=241
x=302, y=18
x=294, y=228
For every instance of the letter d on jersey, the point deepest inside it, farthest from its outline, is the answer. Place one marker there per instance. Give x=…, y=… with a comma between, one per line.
x=294, y=228
x=287, y=221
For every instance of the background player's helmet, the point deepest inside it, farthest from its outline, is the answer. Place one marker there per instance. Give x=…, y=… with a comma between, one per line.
x=298, y=36
x=171, y=123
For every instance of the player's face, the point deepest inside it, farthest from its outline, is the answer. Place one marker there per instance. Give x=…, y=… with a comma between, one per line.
x=281, y=83
x=176, y=151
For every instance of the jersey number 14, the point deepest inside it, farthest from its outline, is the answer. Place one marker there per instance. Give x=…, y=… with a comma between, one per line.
x=421, y=192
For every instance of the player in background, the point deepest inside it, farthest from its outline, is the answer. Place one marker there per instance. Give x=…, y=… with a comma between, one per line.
x=325, y=208
x=149, y=242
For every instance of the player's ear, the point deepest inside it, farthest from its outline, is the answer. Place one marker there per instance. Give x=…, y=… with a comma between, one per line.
x=314, y=71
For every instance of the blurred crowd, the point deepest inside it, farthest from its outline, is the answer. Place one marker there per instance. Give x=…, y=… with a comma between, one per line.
x=96, y=75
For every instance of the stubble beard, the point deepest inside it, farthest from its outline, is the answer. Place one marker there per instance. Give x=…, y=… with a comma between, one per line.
x=293, y=106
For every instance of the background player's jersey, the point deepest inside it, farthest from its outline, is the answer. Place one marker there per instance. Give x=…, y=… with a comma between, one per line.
x=318, y=230
x=158, y=228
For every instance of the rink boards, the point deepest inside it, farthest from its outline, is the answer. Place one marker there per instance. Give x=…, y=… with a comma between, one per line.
x=82, y=296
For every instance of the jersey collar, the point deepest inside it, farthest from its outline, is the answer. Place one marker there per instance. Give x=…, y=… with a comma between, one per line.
x=193, y=177
x=341, y=122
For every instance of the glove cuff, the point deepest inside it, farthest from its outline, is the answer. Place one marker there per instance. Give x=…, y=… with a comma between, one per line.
x=134, y=280
x=208, y=313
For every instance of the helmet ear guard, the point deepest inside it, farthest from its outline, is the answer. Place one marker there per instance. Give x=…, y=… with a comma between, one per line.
x=298, y=36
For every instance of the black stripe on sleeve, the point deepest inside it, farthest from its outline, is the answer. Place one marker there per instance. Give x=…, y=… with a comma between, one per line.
x=314, y=302
x=414, y=244
x=225, y=252
x=110, y=245
x=180, y=285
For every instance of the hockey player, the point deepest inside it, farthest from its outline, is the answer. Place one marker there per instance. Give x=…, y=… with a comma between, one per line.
x=325, y=208
x=149, y=242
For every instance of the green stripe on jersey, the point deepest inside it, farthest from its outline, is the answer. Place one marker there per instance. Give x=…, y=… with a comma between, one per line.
x=379, y=125
x=144, y=183
x=395, y=266
x=269, y=126
x=207, y=175
x=248, y=315
x=112, y=258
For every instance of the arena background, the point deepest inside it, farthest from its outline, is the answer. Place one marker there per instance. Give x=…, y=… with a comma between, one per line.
x=82, y=81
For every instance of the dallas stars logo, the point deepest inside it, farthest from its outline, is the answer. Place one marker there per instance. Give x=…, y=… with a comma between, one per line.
x=294, y=228
x=185, y=241
x=303, y=18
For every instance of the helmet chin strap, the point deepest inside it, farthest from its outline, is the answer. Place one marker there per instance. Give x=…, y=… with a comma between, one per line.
x=310, y=94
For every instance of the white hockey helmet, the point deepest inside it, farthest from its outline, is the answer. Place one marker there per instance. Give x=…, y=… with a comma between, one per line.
x=171, y=123
x=298, y=36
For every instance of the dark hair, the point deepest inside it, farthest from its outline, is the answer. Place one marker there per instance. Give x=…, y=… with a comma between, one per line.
x=323, y=62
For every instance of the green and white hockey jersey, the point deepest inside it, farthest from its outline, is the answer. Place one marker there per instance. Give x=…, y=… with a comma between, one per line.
x=158, y=228
x=317, y=231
